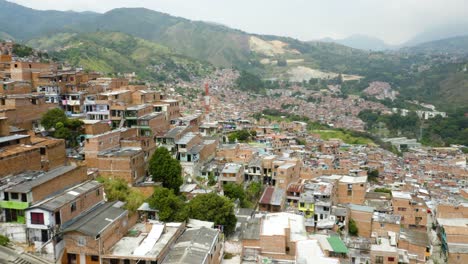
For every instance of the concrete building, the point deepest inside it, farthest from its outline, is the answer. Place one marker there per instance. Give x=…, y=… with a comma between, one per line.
x=150, y=242
x=232, y=172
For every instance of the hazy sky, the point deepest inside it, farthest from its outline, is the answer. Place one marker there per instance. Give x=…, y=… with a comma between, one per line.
x=394, y=21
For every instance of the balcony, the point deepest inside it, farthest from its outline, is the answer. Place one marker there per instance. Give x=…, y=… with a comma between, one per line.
x=71, y=102
x=14, y=205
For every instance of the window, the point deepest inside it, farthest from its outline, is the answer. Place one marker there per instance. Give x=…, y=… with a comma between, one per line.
x=37, y=218
x=98, y=192
x=379, y=260
x=14, y=196
x=94, y=258
x=402, y=209
x=24, y=198
x=43, y=151
x=391, y=259
x=81, y=241
x=326, y=209
x=73, y=207
x=302, y=204
x=126, y=261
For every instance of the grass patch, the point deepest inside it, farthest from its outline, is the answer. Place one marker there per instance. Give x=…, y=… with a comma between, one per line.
x=343, y=135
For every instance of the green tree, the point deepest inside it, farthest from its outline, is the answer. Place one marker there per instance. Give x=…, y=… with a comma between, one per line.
x=164, y=168
x=170, y=207
x=22, y=50
x=62, y=132
x=235, y=191
x=4, y=240
x=241, y=135
x=253, y=191
x=118, y=190
x=353, y=229
x=249, y=82
x=52, y=117
x=211, y=179
x=214, y=208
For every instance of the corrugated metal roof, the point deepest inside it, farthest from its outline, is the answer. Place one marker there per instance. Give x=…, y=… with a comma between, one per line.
x=266, y=197
x=67, y=196
x=337, y=245
x=95, y=222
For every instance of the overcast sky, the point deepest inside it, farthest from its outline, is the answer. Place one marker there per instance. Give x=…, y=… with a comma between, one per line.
x=394, y=21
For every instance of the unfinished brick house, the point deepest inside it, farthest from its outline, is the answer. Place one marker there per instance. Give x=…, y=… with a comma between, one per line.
x=23, y=152
x=412, y=209
x=24, y=111
x=352, y=189
x=114, y=157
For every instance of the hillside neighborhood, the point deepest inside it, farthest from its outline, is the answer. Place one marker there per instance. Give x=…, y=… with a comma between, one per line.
x=68, y=137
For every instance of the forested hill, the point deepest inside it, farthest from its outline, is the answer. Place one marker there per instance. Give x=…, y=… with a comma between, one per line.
x=113, y=52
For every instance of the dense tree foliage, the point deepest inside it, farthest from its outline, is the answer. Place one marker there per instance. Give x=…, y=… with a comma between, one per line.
x=52, y=117
x=164, y=168
x=170, y=207
x=4, y=240
x=249, y=82
x=235, y=192
x=215, y=208
x=118, y=190
x=207, y=207
x=437, y=131
x=240, y=135
x=353, y=229
x=64, y=127
x=253, y=191
x=22, y=50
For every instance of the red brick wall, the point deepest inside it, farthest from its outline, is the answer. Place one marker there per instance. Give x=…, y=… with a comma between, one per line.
x=29, y=159
x=66, y=180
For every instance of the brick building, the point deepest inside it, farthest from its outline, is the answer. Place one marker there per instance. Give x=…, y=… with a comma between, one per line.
x=92, y=236
x=45, y=218
x=412, y=209
x=352, y=189
x=24, y=111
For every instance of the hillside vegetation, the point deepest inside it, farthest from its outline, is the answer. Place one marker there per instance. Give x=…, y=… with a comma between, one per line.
x=113, y=52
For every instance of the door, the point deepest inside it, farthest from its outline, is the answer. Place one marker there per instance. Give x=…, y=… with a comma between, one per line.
x=44, y=235
x=58, y=221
